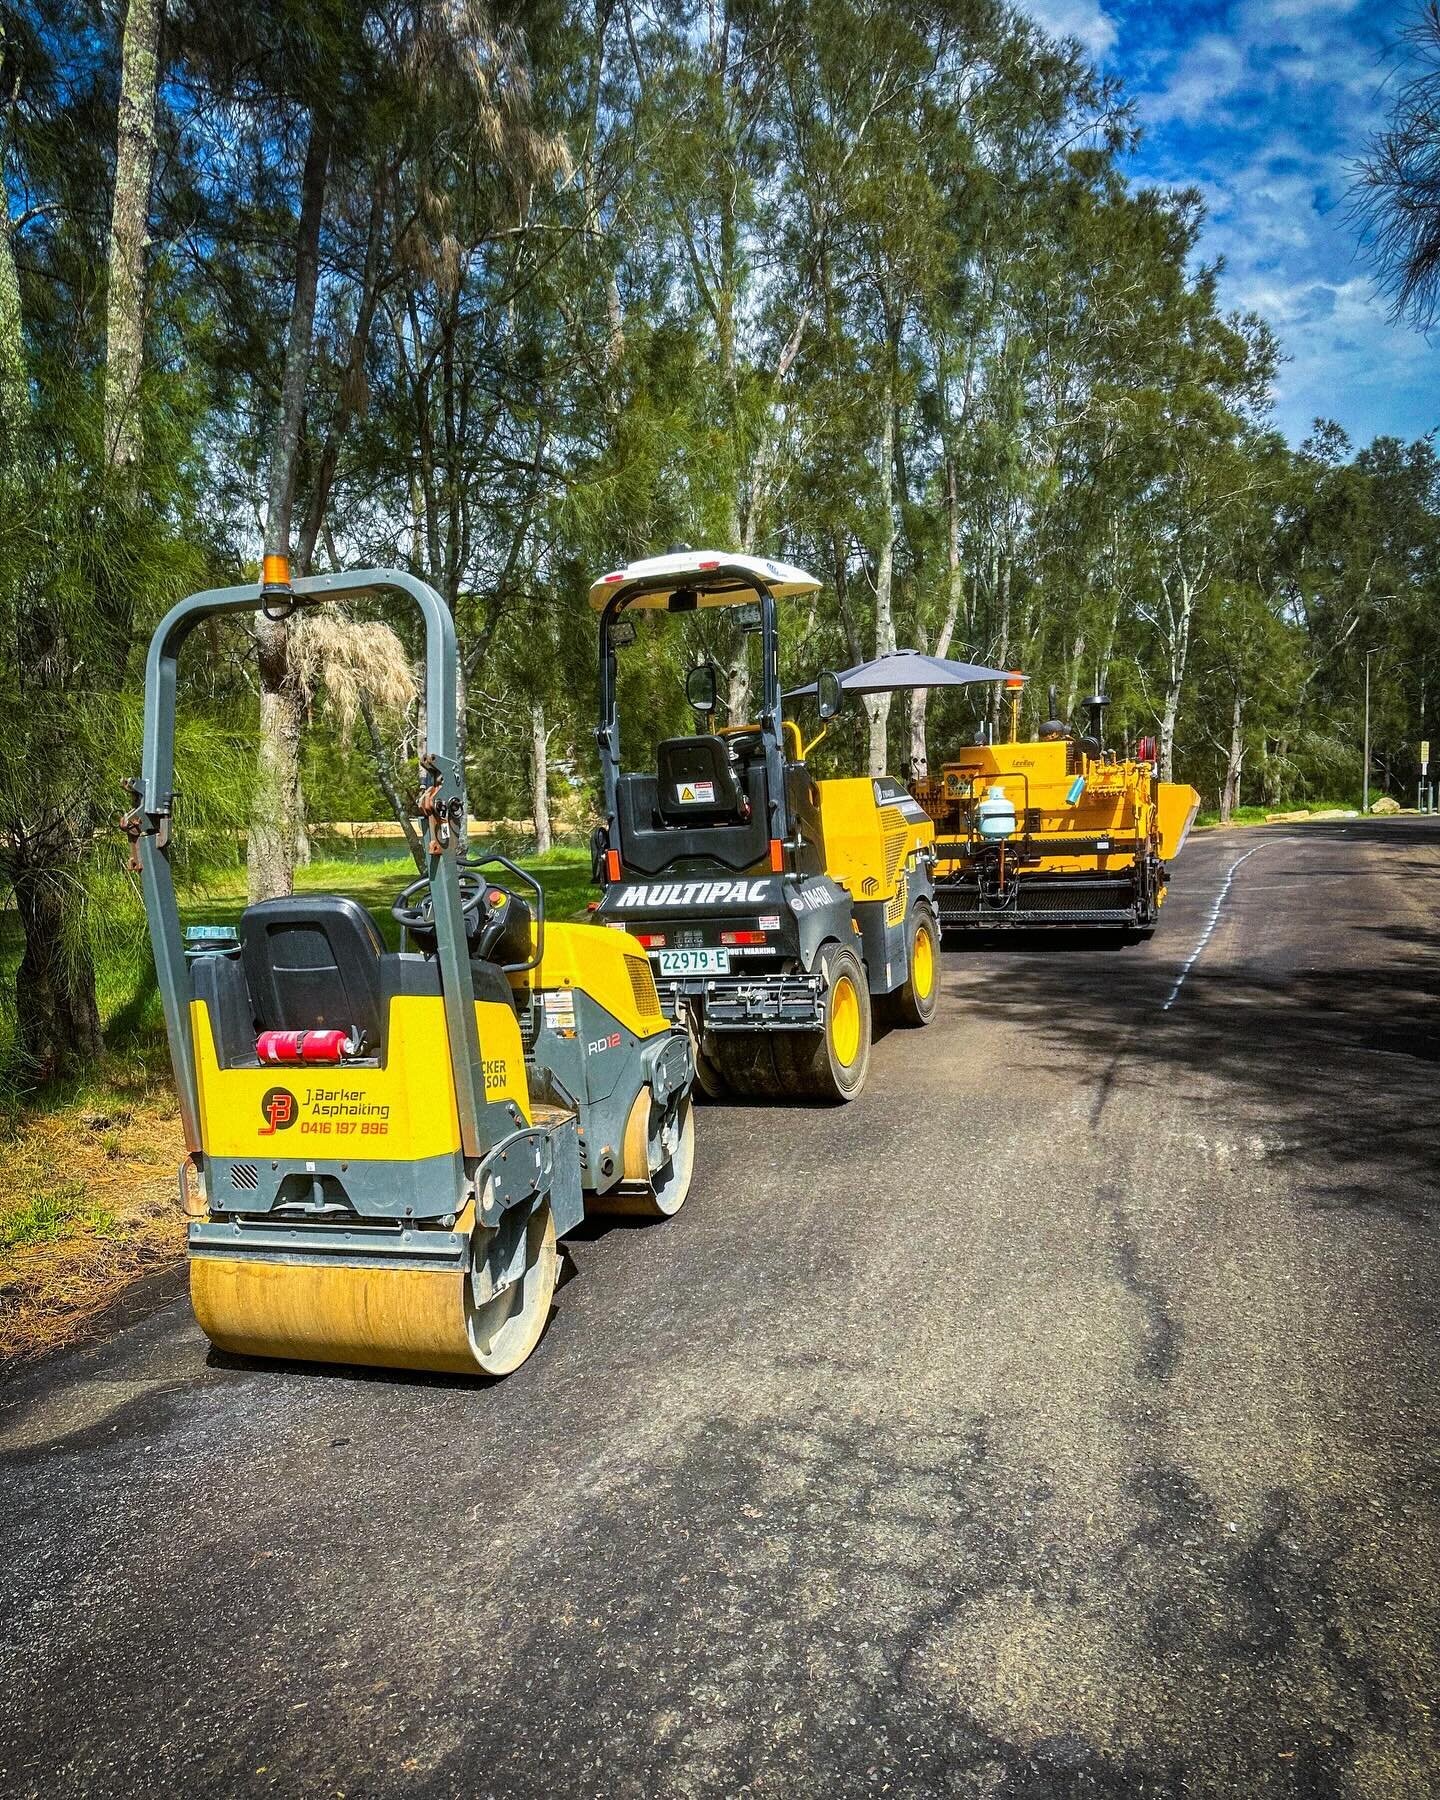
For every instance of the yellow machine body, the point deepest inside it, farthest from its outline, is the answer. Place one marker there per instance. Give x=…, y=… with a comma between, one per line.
x=1094, y=836
x=1175, y=808
x=610, y=968
x=404, y=1110
x=780, y=912
x=384, y=1146
x=866, y=845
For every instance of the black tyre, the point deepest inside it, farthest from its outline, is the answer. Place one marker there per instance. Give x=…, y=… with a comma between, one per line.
x=914, y=1002
x=832, y=1064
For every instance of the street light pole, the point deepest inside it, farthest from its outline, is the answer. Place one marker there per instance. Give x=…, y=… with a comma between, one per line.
x=1365, y=797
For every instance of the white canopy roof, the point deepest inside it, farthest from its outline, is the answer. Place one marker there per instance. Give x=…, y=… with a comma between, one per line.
x=700, y=570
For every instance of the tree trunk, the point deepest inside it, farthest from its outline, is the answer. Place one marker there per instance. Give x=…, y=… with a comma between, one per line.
x=737, y=678
x=1072, y=684
x=1179, y=653
x=385, y=775
x=58, y=1018
x=14, y=385
x=1230, y=797
x=540, y=777
x=878, y=705
x=275, y=808
x=998, y=719
x=352, y=380
x=1275, y=771
x=129, y=235
x=462, y=741
x=920, y=697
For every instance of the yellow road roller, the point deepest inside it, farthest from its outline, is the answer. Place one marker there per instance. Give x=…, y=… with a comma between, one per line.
x=385, y=1146
x=1055, y=832
x=777, y=909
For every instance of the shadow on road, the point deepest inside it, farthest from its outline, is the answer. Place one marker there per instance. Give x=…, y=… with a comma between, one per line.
x=1335, y=1058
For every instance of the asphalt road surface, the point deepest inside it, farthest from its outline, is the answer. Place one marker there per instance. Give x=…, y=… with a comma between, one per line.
x=1057, y=1420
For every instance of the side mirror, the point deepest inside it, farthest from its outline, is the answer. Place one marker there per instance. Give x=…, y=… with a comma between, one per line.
x=700, y=688
x=829, y=695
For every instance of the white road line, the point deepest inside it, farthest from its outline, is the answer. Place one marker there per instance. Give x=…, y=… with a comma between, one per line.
x=1213, y=920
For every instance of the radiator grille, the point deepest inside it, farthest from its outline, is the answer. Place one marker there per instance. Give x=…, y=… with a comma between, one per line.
x=244, y=1175
x=895, y=832
x=642, y=986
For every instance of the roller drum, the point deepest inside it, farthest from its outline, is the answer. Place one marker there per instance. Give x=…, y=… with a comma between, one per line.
x=449, y=1321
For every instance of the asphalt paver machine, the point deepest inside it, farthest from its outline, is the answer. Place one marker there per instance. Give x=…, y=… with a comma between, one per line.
x=776, y=909
x=1056, y=831
x=383, y=1147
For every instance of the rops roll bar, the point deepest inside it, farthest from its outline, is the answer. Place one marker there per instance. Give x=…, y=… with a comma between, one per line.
x=482, y=1122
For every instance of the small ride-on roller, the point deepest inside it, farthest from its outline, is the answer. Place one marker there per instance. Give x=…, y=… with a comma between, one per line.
x=384, y=1147
x=776, y=908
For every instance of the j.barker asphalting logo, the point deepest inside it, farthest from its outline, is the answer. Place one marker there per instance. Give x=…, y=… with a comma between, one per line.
x=325, y=1110
x=279, y=1109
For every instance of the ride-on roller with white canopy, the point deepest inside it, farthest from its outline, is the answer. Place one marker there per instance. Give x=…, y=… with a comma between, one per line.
x=776, y=909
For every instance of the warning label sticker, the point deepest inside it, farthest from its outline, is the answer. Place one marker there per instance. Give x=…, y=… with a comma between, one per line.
x=560, y=1010
x=696, y=793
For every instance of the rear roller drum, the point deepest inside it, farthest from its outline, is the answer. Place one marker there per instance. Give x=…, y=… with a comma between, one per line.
x=709, y=1074
x=745, y=1063
x=510, y=1289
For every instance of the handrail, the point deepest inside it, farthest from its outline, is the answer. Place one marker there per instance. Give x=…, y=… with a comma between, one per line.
x=482, y=1122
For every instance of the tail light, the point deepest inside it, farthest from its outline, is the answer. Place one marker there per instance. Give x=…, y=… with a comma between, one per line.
x=652, y=940
x=742, y=937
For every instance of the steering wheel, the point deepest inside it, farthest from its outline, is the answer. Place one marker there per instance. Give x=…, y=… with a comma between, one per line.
x=415, y=907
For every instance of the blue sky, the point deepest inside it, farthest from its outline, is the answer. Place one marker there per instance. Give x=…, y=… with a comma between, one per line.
x=1265, y=105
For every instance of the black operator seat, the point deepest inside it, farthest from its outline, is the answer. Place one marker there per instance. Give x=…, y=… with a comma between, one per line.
x=697, y=783
x=312, y=963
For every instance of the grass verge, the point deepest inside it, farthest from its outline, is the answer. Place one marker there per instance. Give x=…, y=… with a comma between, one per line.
x=87, y=1205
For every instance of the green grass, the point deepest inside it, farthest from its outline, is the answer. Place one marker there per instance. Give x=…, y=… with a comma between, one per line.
x=52, y=1213
x=1257, y=815
x=1242, y=815
x=564, y=875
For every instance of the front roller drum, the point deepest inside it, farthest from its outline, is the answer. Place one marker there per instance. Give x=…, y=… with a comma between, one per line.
x=483, y=1321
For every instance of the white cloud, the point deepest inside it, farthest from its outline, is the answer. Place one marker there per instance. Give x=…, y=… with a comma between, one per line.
x=1265, y=110
x=1085, y=20
x=1212, y=69
x=1271, y=48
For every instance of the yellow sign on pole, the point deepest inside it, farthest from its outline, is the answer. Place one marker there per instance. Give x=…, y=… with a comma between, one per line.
x=1424, y=754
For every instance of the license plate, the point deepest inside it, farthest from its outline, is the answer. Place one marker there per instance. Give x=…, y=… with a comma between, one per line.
x=694, y=962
